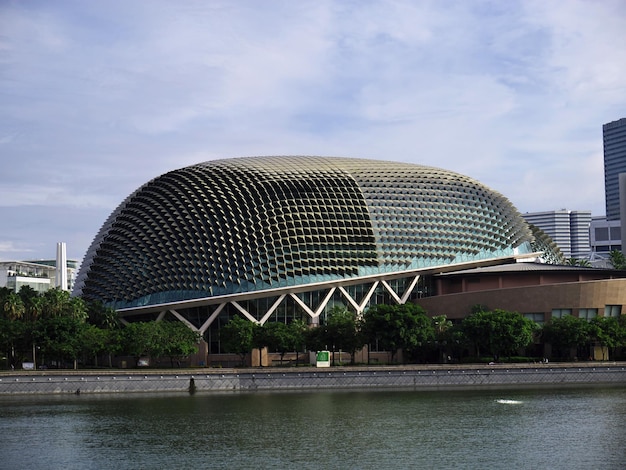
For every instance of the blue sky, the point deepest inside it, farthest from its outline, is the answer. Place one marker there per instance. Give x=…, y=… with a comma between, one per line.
x=98, y=97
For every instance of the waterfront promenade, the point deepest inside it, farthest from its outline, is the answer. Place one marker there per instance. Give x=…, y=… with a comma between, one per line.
x=416, y=377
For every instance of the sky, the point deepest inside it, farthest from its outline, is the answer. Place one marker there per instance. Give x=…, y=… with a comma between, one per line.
x=99, y=97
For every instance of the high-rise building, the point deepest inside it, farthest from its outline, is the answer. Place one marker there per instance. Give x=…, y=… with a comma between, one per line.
x=614, y=137
x=568, y=229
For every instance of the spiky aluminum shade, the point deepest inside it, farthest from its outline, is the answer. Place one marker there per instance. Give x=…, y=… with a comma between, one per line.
x=244, y=224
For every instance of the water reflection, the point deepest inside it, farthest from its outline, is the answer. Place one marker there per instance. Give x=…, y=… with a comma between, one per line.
x=570, y=428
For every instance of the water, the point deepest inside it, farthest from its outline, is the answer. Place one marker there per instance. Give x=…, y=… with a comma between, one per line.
x=530, y=429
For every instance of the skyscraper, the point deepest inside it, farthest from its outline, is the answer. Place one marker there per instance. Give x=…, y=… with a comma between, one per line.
x=568, y=229
x=614, y=137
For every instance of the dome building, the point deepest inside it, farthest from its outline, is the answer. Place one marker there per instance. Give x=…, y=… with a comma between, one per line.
x=283, y=238
x=276, y=238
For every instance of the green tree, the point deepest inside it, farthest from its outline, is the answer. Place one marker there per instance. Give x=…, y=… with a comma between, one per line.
x=316, y=338
x=298, y=330
x=101, y=316
x=578, y=262
x=237, y=337
x=107, y=319
x=143, y=339
x=15, y=340
x=442, y=328
x=179, y=341
x=59, y=338
x=566, y=333
x=276, y=336
x=33, y=303
x=608, y=332
x=498, y=332
x=617, y=260
x=13, y=307
x=93, y=342
x=343, y=332
x=57, y=303
x=396, y=327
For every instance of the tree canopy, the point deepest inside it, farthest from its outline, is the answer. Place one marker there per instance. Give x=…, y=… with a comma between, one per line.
x=498, y=332
x=395, y=327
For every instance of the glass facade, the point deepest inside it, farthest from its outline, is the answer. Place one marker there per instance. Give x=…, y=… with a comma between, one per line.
x=254, y=224
x=614, y=137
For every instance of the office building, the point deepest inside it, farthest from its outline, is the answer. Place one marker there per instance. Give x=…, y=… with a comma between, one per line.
x=614, y=138
x=568, y=229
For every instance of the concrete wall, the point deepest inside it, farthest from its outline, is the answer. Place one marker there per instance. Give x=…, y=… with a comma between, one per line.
x=542, y=298
x=210, y=380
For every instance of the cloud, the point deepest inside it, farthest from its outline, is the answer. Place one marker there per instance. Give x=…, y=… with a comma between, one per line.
x=97, y=98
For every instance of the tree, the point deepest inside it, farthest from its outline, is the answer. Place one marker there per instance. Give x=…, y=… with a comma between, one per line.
x=298, y=330
x=276, y=336
x=57, y=302
x=608, y=332
x=578, y=262
x=143, y=339
x=343, y=331
x=396, y=327
x=33, y=303
x=566, y=334
x=16, y=327
x=13, y=306
x=442, y=331
x=14, y=340
x=101, y=316
x=107, y=319
x=617, y=260
x=93, y=342
x=59, y=338
x=179, y=341
x=237, y=337
x=498, y=332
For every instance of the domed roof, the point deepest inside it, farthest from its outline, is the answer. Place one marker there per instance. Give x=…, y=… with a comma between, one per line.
x=245, y=224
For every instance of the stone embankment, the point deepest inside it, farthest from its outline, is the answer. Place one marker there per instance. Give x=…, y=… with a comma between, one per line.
x=436, y=377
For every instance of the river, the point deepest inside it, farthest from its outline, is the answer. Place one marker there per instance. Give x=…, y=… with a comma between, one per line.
x=569, y=428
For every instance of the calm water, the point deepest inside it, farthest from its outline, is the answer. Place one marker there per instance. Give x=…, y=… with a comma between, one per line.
x=569, y=429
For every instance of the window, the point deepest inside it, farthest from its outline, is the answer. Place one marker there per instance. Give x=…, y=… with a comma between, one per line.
x=616, y=233
x=536, y=317
x=612, y=310
x=587, y=313
x=561, y=312
x=602, y=233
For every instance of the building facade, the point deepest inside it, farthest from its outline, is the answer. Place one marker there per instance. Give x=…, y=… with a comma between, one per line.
x=278, y=238
x=614, y=138
x=538, y=291
x=16, y=274
x=568, y=229
x=604, y=236
x=40, y=275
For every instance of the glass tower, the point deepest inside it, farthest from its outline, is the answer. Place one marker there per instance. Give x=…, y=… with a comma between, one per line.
x=614, y=137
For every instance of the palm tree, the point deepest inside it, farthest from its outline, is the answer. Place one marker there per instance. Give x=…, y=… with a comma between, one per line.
x=583, y=263
x=442, y=326
x=13, y=307
x=617, y=259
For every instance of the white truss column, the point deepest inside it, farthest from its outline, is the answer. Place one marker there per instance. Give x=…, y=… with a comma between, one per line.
x=61, y=266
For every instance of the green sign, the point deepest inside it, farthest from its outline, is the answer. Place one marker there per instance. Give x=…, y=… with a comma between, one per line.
x=323, y=356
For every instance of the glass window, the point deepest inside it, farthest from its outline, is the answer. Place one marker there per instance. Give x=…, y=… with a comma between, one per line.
x=612, y=310
x=536, y=317
x=602, y=233
x=561, y=312
x=587, y=313
x=616, y=233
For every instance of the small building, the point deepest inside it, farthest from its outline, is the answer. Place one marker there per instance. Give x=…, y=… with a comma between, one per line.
x=16, y=274
x=538, y=291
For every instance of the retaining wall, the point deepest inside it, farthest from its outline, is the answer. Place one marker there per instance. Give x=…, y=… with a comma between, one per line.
x=211, y=380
